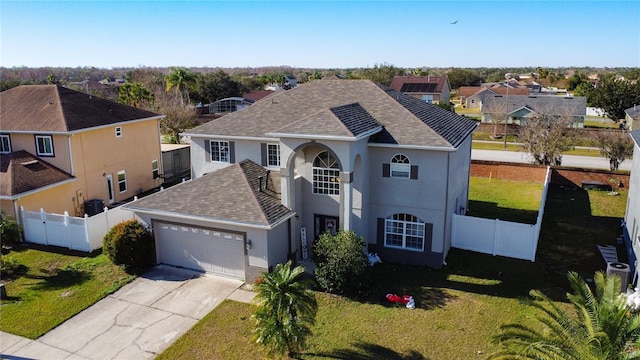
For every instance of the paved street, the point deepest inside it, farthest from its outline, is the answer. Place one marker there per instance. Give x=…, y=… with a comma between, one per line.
x=588, y=162
x=137, y=322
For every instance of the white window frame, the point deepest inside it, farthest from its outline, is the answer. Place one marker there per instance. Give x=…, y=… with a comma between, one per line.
x=44, y=138
x=273, y=155
x=222, y=151
x=155, y=170
x=122, y=181
x=407, y=229
x=326, y=175
x=400, y=167
x=118, y=131
x=5, y=144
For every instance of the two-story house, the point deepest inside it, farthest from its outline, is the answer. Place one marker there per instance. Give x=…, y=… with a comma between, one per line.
x=61, y=148
x=631, y=224
x=326, y=155
x=430, y=89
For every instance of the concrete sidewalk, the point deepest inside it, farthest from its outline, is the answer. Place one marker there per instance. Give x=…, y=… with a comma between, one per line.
x=137, y=322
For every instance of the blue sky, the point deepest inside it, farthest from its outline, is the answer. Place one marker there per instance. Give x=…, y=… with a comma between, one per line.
x=319, y=34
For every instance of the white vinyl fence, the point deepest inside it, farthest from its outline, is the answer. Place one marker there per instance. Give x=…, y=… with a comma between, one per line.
x=498, y=237
x=76, y=233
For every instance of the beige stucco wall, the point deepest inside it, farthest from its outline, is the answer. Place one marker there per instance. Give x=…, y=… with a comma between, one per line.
x=61, y=157
x=56, y=199
x=99, y=152
x=94, y=153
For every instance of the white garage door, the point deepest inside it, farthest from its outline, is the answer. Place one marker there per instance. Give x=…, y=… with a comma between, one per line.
x=208, y=250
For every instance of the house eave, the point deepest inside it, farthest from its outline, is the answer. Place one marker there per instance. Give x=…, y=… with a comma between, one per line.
x=229, y=137
x=414, y=147
x=45, y=132
x=153, y=212
x=34, y=191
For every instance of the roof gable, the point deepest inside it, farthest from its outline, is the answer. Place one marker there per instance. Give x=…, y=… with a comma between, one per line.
x=21, y=172
x=550, y=105
x=53, y=108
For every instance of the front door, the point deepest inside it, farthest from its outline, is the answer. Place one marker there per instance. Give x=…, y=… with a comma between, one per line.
x=323, y=223
x=112, y=198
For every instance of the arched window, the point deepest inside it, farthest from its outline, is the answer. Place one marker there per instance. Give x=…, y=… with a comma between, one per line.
x=326, y=174
x=400, y=167
x=404, y=231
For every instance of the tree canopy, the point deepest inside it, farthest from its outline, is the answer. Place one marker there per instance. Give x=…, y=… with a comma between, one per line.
x=614, y=95
x=382, y=74
x=464, y=77
x=214, y=86
x=183, y=80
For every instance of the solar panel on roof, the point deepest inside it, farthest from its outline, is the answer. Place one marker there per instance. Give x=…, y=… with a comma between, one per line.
x=419, y=87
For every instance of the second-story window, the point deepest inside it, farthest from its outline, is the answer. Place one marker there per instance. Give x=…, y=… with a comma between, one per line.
x=220, y=151
x=118, y=131
x=44, y=145
x=154, y=169
x=326, y=174
x=400, y=167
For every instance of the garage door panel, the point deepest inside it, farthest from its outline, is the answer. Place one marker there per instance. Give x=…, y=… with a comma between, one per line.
x=201, y=249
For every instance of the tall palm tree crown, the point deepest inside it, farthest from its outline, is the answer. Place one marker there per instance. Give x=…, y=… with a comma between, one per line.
x=603, y=327
x=286, y=309
x=182, y=80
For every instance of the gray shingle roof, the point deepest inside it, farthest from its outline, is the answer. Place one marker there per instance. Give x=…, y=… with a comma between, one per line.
x=402, y=125
x=635, y=135
x=229, y=194
x=355, y=118
x=53, y=108
x=633, y=112
x=21, y=172
x=543, y=104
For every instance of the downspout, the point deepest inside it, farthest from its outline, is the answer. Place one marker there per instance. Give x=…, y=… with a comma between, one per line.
x=446, y=213
x=70, y=155
x=289, y=256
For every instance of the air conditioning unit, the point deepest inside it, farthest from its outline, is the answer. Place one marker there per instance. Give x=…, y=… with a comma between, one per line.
x=622, y=270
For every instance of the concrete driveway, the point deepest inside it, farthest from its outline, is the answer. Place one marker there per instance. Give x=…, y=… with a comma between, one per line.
x=137, y=322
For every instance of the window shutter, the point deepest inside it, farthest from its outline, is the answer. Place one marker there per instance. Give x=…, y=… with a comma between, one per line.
x=263, y=153
x=386, y=170
x=414, y=172
x=232, y=152
x=380, y=232
x=207, y=151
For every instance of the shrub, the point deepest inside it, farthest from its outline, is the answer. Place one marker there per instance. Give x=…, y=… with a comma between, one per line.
x=9, y=231
x=8, y=265
x=340, y=261
x=130, y=245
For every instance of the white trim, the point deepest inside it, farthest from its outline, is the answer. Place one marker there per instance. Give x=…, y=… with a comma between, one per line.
x=70, y=154
x=229, y=137
x=31, y=192
x=131, y=206
x=413, y=147
x=45, y=132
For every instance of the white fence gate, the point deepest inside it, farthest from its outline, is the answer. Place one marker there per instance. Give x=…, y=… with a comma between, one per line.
x=498, y=237
x=76, y=233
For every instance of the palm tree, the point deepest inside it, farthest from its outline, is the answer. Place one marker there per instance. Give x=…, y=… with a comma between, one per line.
x=286, y=310
x=182, y=80
x=134, y=94
x=603, y=326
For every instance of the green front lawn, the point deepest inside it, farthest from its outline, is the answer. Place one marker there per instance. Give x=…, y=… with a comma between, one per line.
x=459, y=307
x=50, y=285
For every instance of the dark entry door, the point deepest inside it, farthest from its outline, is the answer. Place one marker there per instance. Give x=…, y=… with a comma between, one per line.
x=324, y=223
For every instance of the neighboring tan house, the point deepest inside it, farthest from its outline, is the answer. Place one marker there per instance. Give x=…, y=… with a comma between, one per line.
x=632, y=118
x=631, y=223
x=61, y=148
x=430, y=89
x=522, y=107
x=326, y=155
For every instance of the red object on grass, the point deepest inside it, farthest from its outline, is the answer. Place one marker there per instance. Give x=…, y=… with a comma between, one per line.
x=404, y=300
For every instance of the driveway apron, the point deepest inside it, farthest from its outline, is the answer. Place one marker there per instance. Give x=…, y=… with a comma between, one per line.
x=137, y=322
